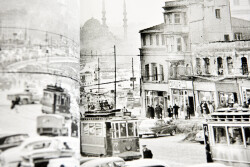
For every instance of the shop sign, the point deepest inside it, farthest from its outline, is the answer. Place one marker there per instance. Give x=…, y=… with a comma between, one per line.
x=177, y=84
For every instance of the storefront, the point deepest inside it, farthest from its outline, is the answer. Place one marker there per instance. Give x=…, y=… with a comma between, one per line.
x=154, y=98
x=228, y=94
x=181, y=95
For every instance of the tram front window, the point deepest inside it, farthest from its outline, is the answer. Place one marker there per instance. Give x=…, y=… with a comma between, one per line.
x=220, y=135
x=123, y=129
x=235, y=135
x=130, y=129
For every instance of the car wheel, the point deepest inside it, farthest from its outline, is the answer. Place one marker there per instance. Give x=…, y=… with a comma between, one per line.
x=201, y=142
x=172, y=133
x=140, y=136
x=156, y=135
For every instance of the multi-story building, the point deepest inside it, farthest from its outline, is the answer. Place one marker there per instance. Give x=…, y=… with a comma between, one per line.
x=170, y=68
x=240, y=9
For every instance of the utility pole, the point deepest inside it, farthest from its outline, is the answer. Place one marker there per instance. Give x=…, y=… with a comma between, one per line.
x=98, y=76
x=133, y=73
x=115, y=77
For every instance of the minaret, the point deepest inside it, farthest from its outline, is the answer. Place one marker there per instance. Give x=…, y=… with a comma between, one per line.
x=103, y=14
x=125, y=25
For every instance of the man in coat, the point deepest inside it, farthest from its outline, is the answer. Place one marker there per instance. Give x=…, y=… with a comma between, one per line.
x=158, y=112
x=176, y=108
x=147, y=153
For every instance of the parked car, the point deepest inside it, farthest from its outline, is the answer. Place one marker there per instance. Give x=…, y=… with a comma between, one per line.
x=156, y=127
x=8, y=141
x=107, y=161
x=146, y=163
x=65, y=162
x=34, y=149
x=200, y=137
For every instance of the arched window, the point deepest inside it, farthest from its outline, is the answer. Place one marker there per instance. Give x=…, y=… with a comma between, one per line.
x=230, y=65
x=244, y=66
x=220, y=65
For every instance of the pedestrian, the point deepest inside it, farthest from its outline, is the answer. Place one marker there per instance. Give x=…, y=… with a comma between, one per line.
x=147, y=153
x=188, y=111
x=15, y=103
x=201, y=108
x=152, y=112
x=205, y=108
x=176, y=108
x=158, y=112
x=170, y=111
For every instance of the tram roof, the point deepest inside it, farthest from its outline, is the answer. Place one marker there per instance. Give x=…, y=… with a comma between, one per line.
x=230, y=115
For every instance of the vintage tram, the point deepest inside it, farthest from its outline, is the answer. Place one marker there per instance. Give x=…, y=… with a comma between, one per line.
x=227, y=136
x=110, y=133
x=56, y=100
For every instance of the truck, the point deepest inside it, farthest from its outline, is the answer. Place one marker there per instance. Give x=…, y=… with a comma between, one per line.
x=28, y=96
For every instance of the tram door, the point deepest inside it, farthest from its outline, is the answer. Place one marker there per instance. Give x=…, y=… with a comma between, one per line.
x=207, y=143
x=108, y=138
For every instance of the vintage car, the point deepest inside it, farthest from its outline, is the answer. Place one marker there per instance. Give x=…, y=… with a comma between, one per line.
x=11, y=140
x=107, y=161
x=65, y=162
x=146, y=163
x=156, y=127
x=36, y=150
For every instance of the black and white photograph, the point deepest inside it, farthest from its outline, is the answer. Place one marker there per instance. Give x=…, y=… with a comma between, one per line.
x=124, y=83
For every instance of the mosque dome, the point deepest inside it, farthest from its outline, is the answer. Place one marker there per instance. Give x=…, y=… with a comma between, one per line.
x=91, y=24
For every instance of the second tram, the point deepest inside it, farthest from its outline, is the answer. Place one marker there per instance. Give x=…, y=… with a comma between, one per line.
x=227, y=136
x=110, y=133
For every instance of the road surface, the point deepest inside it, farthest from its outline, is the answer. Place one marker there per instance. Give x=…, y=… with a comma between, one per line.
x=174, y=152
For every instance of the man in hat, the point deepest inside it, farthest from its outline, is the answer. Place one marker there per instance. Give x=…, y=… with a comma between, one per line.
x=146, y=152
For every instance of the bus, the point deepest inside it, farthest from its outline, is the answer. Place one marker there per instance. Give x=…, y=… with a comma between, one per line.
x=110, y=133
x=56, y=100
x=227, y=136
x=51, y=125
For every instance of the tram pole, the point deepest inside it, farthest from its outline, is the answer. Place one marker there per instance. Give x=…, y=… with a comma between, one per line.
x=115, y=78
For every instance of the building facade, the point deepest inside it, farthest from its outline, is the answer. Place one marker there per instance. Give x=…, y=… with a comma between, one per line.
x=174, y=51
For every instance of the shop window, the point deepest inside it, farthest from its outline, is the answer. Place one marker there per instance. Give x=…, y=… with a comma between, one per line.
x=220, y=66
x=157, y=39
x=235, y=135
x=151, y=39
x=147, y=72
x=220, y=135
x=226, y=37
x=237, y=36
x=230, y=65
x=207, y=65
x=217, y=13
x=177, y=18
x=244, y=66
x=198, y=66
x=179, y=44
x=227, y=99
x=247, y=135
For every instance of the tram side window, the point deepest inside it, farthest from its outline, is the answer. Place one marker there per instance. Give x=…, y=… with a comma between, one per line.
x=220, y=135
x=117, y=130
x=247, y=134
x=98, y=127
x=235, y=135
x=85, y=129
x=123, y=129
x=131, y=129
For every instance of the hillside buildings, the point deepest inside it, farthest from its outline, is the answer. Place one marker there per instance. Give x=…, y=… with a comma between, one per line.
x=198, y=55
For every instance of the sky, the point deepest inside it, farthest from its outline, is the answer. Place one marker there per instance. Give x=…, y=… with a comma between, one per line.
x=142, y=13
